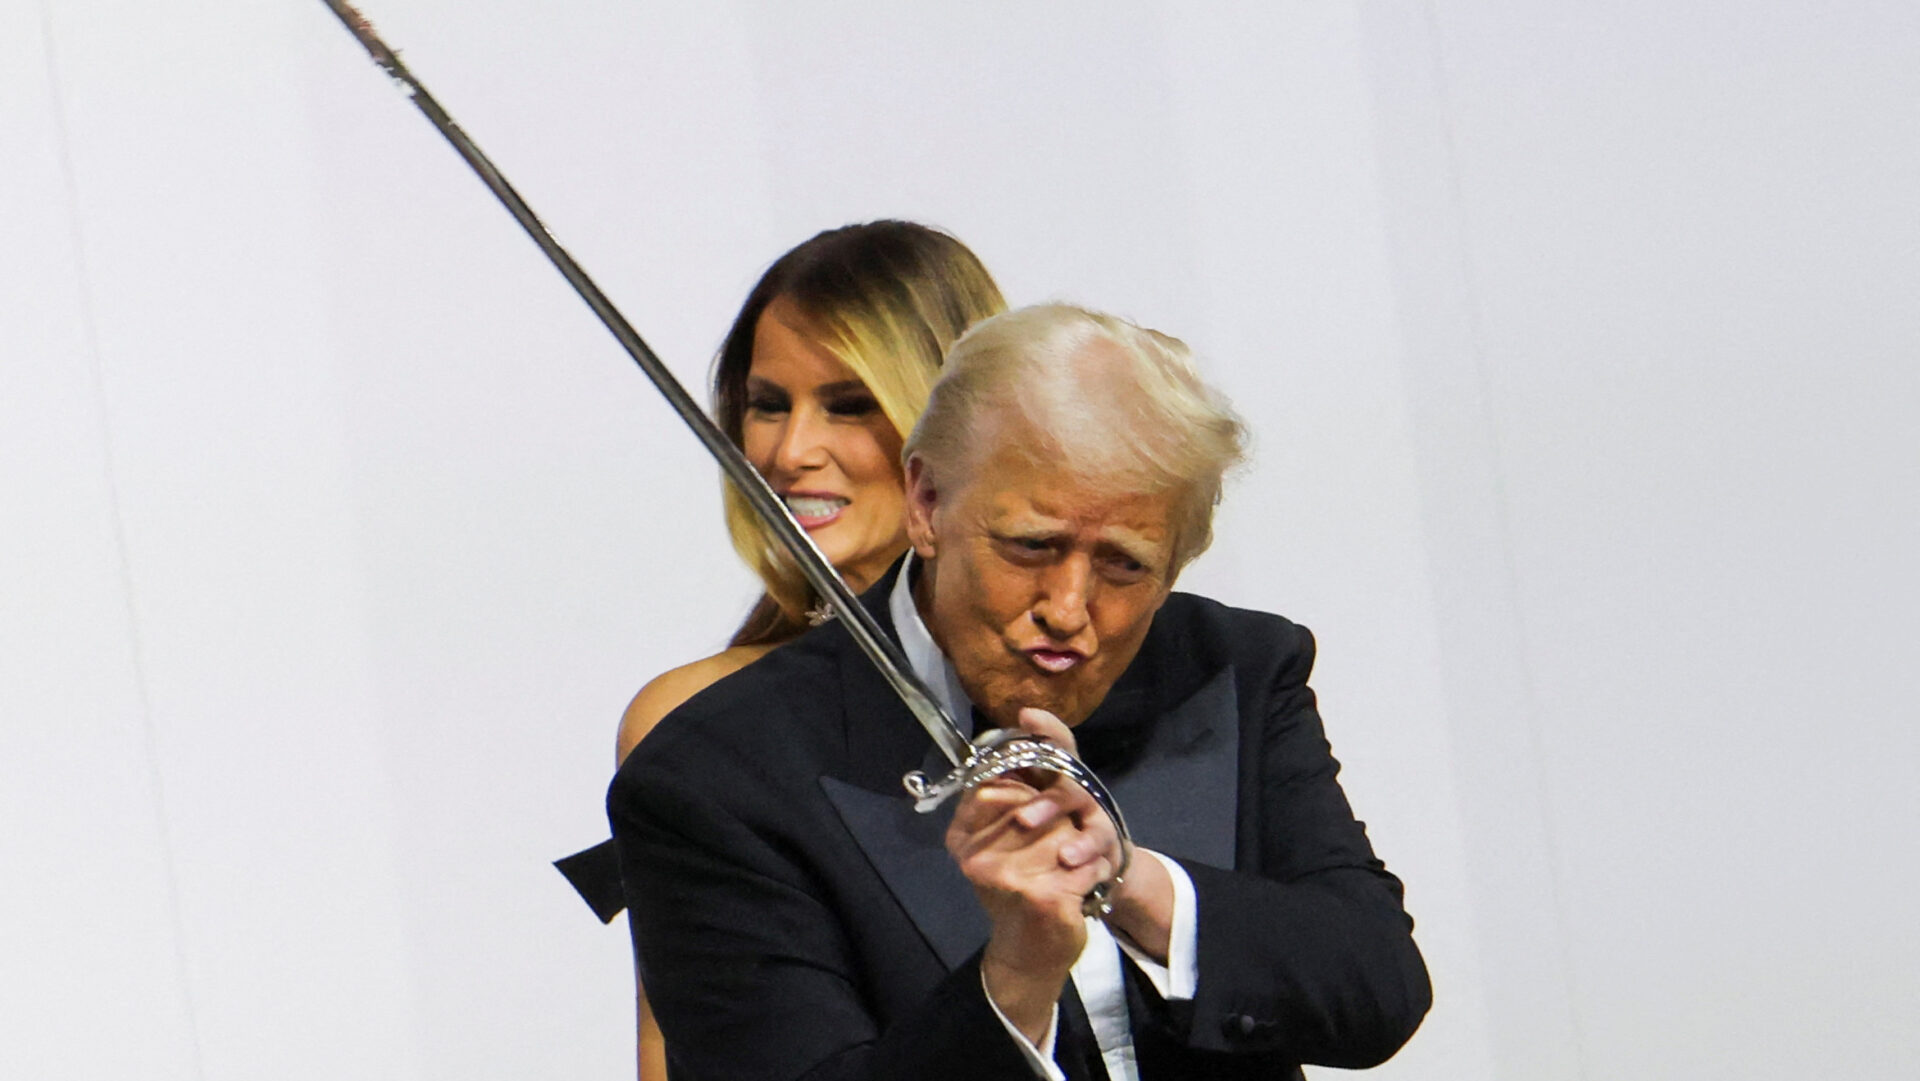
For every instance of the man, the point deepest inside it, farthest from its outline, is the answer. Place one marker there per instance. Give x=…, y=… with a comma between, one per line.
x=794, y=918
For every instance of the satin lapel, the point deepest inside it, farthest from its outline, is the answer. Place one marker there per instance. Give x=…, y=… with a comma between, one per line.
x=881, y=739
x=908, y=851
x=1180, y=792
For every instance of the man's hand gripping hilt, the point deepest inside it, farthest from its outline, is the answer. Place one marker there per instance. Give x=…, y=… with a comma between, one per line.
x=1001, y=751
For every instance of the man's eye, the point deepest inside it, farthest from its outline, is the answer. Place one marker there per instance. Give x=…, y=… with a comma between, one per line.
x=1026, y=548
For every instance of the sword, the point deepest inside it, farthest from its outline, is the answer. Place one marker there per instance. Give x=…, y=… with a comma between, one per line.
x=974, y=762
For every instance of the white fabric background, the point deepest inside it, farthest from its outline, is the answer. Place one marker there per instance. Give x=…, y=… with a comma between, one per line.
x=1579, y=341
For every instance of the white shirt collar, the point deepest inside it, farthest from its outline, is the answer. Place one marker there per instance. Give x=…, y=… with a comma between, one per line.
x=923, y=656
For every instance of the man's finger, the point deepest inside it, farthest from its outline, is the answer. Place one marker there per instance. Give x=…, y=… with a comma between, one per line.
x=1039, y=722
x=991, y=800
x=1039, y=811
x=987, y=814
x=1079, y=850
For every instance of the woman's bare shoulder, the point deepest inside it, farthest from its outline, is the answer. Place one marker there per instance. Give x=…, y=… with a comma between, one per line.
x=665, y=692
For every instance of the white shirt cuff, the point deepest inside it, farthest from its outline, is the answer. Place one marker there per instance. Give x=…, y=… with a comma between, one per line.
x=1176, y=979
x=1040, y=1058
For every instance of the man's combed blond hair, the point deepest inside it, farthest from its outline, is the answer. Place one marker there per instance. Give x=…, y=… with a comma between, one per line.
x=1117, y=406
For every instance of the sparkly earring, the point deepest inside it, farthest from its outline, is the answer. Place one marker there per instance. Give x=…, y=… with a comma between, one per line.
x=820, y=612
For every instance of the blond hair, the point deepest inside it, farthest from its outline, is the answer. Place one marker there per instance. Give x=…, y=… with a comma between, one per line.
x=887, y=298
x=1115, y=405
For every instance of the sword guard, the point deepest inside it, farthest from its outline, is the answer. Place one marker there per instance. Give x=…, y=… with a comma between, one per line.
x=1001, y=751
x=929, y=794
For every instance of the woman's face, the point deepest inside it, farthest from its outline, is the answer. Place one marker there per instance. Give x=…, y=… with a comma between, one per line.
x=818, y=435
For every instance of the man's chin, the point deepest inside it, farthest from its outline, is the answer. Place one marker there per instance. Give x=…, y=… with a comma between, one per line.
x=1069, y=707
x=1061, y=696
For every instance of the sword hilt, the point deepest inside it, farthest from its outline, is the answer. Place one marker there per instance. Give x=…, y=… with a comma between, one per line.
x=1001, y=751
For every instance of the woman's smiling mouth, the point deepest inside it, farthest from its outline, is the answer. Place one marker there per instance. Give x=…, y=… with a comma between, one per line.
x=814, y=509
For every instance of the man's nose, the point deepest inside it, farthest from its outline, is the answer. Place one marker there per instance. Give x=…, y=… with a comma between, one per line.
x=803, y=443
x=1065, y=588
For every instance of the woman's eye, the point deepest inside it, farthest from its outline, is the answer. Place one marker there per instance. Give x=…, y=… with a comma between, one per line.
x=853, y=407
x=765, y=403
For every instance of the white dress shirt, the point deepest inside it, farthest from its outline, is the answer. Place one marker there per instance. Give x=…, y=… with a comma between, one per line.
x=1097, y=974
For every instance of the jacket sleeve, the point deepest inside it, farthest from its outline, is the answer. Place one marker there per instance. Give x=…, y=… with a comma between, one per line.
x=1306, y=955
x=750, y=970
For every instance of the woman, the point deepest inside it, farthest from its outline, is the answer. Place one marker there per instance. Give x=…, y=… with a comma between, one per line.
x=821, y=378
x=825, y=371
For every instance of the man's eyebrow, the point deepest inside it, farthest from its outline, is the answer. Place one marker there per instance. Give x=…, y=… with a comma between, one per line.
x=1028, y=525
x=1134, y=546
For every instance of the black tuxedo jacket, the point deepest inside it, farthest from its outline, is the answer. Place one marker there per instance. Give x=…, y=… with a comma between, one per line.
x=794, y=918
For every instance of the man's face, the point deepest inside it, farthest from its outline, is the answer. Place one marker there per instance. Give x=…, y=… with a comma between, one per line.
x=1039, y=589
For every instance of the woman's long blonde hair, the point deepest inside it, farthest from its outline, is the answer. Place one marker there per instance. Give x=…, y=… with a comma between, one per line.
x=887, y=298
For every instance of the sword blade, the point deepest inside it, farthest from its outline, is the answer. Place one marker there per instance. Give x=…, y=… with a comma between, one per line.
x=819, y=573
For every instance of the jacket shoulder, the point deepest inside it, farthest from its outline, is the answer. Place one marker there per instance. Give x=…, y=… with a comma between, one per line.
x=1242, y=637
x=745, y=712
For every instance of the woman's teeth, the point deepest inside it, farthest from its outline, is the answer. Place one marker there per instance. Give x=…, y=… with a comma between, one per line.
x=808, y=506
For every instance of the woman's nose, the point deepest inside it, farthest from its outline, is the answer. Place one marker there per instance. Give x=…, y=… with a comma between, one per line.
x=803, y=443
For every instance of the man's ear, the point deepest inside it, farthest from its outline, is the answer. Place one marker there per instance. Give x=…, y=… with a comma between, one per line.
x=922, y=498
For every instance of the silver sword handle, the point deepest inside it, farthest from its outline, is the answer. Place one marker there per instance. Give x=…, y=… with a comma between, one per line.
x=1001, y=751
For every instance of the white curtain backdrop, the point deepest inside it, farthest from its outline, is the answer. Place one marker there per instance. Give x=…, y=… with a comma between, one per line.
x=1579, y=341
